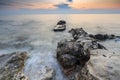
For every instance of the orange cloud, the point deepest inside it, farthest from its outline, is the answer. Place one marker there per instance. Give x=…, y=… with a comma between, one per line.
x=40, y=6
x=90, y=5
x=51, y=4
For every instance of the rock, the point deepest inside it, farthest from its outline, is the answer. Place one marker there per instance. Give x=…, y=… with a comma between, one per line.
x=71, y=51
x=105, y=65
x=78, y=32
x=73, y=58
x=96, y=45
x=41, y=67
x=102, y=37
x=74, y=54
x=61, y=22
x=84, y=74
x=11, y=66
x=61, y=26
x=81, y=35
x=47, y=73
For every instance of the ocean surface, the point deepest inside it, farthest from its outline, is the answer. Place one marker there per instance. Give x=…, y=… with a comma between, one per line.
x=33, y=33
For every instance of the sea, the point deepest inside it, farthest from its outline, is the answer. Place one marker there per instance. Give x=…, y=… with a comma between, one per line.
x=34, y=34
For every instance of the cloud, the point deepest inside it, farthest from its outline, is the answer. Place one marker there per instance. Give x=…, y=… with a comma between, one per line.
x=105, y=1
x=60, y=4
x=95, y=4
x=11, y=4
x=19, y=4
x=70, y=0
x=63, y=6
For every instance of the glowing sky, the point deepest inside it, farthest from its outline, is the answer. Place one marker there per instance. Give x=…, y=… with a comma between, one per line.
x=59, y=4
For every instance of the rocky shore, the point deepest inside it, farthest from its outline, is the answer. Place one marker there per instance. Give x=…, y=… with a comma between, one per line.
x=11, y=66
x=74, y=55
x=82, y=57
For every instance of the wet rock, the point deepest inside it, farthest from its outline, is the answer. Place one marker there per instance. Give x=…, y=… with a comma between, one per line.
x=11, y=66
x=78, y=32
x=61, y=26
x=73, y=58
x=67, y=60
x=89, y=40
x=96, y=45
x=84, y=74
x=41, y=67
x=74, y=54
x=104, y=65
x=47, y=73
x=102, y=37
x=61, y=22
x=71, y=51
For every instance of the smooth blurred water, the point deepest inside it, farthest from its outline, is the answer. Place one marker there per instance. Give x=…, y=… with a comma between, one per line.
x=33, y=33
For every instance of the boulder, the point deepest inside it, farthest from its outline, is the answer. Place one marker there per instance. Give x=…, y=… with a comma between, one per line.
x=11, y=66
x=71, y=50
x=73, y=57
x=61, y=26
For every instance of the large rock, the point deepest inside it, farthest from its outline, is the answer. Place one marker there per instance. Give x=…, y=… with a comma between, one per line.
x=74, y=54
x=71, y=53
x=73, y=58
x=11, y=66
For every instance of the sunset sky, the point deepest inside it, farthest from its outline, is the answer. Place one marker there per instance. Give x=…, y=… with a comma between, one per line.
x=59, y=6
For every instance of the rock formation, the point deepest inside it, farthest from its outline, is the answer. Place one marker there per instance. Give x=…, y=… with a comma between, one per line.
x=11, y=66
x=102, y=37
x=74, y=54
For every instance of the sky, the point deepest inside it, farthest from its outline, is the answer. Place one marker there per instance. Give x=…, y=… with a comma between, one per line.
x=59, y=6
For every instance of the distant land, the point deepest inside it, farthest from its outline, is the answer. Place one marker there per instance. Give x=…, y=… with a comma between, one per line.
x=62, y=11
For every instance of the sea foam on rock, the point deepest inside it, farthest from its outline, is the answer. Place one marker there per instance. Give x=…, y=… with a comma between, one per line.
x=11, y=66
x=40, y=67
x=105, y=65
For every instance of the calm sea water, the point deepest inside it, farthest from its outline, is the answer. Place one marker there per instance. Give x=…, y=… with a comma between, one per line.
x=33, y=33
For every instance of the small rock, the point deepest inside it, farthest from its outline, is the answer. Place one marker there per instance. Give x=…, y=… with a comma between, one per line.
x=104, y=55
x=61, y=26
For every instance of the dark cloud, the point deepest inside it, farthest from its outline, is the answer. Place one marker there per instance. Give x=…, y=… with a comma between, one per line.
x=70, y=0
x=12, y=3
x=63, y=6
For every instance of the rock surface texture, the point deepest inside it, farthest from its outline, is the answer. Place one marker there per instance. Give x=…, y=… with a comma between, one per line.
x=11, y=66
x=74, y=55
